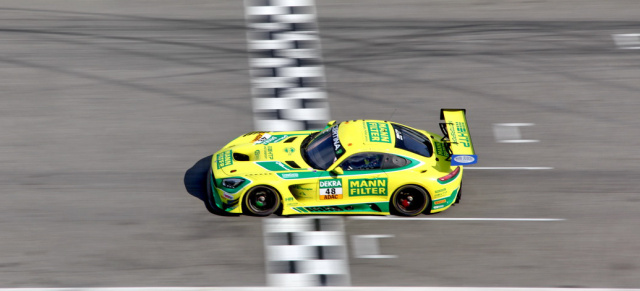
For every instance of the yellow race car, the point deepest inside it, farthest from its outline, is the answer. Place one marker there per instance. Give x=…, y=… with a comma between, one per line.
x=352, y=167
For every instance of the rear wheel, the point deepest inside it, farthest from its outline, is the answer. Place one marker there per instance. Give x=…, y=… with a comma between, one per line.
x=410, y=200
x=261, y=201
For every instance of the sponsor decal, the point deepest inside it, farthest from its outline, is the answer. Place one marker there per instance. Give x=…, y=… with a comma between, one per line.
x=290, y=150
x=337, y=146
x=440, y=149
x=227, y=195
x=267, y=139
x=440, y=193
x=438, y=204
x=283, y=166
x=224, y=159
x=257, y=154
x=453, y=138
x=261, y=138
x=464, y=159
x=463, y=135
x=398, y=134
x=368, y=187
x=330, y=197
x=290, y=175
x=301, y=174
x=461, y=160
x=324, y=209
x=257, y=138
x=378, y=132
x=330, y=189
x=268, y=152
x=288, y=199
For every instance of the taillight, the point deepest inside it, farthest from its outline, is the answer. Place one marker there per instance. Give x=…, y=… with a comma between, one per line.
x=450, y=175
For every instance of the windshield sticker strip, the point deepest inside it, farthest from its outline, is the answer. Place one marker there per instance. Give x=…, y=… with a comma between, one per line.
x=337, y=146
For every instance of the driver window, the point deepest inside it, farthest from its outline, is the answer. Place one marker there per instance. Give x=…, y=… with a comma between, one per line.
x=363, y=161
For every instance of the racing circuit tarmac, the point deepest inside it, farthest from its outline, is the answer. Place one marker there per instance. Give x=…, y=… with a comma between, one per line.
x=109, y=109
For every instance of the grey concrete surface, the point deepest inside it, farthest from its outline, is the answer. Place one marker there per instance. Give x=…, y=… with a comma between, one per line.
x=109, y=107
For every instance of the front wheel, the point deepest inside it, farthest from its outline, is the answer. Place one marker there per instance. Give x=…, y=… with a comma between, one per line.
x=410, y=200
x=261, y=201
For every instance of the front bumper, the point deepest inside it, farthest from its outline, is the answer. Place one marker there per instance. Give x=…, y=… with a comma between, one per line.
x=213, y=195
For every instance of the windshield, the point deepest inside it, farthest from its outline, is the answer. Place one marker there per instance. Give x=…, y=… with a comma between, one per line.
x=324, y=149
x=413, y=141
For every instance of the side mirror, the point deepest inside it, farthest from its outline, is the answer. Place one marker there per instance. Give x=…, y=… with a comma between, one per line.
x=331, y=123
x=337, y=171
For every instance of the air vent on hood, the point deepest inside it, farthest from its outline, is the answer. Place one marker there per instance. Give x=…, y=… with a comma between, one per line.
x=291, y=139
x=292, y=164
x=240, y=157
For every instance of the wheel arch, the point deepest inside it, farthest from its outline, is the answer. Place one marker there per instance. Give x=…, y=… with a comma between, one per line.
x=244, y=197
x=427, y=208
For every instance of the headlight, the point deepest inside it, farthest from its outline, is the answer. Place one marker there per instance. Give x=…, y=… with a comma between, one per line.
x=232, y=183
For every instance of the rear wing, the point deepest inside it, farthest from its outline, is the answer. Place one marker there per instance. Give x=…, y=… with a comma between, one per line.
x=456, y=137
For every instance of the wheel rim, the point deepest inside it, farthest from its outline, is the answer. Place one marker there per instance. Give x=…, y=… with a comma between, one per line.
x=262, y=201
x=410, y=200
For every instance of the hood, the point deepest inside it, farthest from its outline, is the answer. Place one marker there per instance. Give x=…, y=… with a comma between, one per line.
x=260, y=151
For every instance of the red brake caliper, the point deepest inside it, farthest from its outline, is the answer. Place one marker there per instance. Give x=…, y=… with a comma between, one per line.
x=406, y=202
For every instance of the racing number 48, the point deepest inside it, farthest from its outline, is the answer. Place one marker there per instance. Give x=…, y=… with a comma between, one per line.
x=330, y=191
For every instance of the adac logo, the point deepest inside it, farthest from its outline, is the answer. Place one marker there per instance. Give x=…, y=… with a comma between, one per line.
x=290, y=150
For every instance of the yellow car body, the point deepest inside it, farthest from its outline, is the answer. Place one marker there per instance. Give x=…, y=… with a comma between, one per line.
x=353, y=167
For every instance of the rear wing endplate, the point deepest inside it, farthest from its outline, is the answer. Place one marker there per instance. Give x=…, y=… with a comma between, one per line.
x=456, y=137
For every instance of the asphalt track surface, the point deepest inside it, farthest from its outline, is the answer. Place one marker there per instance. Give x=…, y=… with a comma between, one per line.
x=110, y=108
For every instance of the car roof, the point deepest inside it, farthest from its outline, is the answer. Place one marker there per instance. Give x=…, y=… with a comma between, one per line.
x=357, y=135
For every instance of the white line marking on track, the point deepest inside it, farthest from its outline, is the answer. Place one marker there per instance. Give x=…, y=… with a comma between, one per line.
x=359, y=288
x=508, y=168
x=510, y=132
x=366, y=246
x=454, y=218
x=629, y=41
x=518, y=141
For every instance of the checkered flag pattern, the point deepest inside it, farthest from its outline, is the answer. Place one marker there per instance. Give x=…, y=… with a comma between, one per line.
x=286, y=66
x=307, y=251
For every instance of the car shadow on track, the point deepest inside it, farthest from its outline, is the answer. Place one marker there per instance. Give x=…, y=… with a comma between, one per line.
x=195, y=181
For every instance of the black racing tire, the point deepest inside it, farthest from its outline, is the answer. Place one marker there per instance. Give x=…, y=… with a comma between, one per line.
x=410, y=200
x=459, y=197
x=261, y=201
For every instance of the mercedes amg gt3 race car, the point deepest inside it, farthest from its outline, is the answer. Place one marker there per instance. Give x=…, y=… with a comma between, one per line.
x=352, y=167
